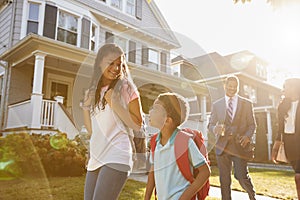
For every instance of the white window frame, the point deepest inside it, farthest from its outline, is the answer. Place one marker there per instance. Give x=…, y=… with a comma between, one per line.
x=78, y=32
x=131, y=4
x=153, y=59
x=251, y=92
x=25, y=17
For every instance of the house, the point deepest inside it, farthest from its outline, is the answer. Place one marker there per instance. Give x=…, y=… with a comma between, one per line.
x=211, y=69
x=47, y=50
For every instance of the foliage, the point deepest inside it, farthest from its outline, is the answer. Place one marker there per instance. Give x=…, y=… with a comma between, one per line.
x=38, y=155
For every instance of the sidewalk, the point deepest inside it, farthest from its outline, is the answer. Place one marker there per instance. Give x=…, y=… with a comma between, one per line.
x=213, y=192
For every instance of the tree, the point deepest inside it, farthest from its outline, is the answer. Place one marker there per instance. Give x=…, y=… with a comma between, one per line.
x=274, y=3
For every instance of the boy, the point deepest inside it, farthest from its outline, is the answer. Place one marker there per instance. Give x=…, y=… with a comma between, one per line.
x=169, y=111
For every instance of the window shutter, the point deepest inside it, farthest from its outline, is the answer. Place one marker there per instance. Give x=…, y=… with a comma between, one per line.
x=109, y=37
x=85, y=33
x=50, y=21
x=144, y=55
x=163, y=62
x=139, y=7
x=132, y=51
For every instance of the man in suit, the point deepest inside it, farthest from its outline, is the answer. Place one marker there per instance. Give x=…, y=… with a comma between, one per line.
x=232, y=122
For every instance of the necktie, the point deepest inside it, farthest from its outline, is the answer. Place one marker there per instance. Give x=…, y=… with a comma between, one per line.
x=230, y=109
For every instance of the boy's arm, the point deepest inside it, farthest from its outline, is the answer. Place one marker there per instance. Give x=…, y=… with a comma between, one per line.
x=150, y=184
x=200, y=180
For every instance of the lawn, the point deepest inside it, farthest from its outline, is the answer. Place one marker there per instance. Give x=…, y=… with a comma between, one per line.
x=273, y=183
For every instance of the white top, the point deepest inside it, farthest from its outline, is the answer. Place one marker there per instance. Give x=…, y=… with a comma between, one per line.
x=169, y=182
x=289, y=126
x=109, y=141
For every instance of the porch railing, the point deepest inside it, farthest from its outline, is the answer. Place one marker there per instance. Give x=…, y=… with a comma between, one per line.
x=47, y=115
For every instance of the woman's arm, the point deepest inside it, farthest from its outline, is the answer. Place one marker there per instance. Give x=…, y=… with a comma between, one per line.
x=131, y=117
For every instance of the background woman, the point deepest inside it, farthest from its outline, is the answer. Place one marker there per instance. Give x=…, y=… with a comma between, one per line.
x=289, y=127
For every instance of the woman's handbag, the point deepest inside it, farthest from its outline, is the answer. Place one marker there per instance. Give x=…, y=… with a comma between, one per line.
x=281, y=156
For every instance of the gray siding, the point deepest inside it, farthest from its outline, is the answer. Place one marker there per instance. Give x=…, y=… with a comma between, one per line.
x=149, y=21
x=5, y=20
x=18, y=21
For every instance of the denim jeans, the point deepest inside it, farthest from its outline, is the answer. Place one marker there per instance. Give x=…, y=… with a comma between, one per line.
x=106, y=182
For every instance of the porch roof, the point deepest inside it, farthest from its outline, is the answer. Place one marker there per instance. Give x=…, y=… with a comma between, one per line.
x=33, y=43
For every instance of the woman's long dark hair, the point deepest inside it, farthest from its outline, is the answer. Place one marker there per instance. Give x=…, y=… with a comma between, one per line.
x=97, y=80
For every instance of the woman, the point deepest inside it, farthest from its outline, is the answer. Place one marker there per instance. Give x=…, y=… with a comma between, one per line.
x=289, y=127
x=110, y=106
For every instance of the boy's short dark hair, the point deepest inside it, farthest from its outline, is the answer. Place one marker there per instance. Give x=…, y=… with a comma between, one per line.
x=176, y=107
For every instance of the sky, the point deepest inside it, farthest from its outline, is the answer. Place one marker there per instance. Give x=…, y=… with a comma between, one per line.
x=226, y=28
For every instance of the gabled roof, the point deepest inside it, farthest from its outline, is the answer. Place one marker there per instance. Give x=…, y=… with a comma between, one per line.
x=152, y=24
x=211, y=65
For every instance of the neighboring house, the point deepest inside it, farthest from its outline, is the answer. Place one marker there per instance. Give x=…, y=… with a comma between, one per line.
x=212, y=69
x=47, y=48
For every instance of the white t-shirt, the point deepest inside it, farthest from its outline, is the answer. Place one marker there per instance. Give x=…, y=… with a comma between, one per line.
x=289, y=126
x=109, y=141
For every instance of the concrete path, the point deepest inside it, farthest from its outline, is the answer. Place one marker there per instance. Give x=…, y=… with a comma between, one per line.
x=213, y=192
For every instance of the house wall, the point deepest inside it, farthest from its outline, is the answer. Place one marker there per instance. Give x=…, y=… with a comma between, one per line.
x=20, y=85
x=5, y=27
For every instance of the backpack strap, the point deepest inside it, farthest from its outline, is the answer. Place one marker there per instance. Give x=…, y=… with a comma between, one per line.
x=153, y=144
x=182, y=155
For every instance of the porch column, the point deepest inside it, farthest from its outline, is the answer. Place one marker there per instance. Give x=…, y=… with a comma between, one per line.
x=37, y=96
x=203, y=118
x=269, y=127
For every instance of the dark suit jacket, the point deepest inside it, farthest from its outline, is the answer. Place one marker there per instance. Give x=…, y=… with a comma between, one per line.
x=242, y=124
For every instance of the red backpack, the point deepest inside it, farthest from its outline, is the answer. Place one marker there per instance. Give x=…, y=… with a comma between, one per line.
x=181, y=154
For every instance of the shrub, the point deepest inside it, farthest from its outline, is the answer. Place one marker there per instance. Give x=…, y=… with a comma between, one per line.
x=36, y=154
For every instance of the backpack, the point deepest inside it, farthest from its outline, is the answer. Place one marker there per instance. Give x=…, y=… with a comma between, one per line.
x=181, y=154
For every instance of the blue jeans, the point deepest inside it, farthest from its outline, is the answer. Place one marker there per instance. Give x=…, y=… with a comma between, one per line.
x=106, y=182
x=241, y=173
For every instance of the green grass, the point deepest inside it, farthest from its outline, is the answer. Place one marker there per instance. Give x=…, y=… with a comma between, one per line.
x=273, y=183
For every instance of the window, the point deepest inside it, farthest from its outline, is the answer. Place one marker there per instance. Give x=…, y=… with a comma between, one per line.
x=116, y=4
x=67, y=28
x=33, y=18
x=130, y=7
x=153, y=59
x=250, y=93
x=261, y=71
x=175, y=70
